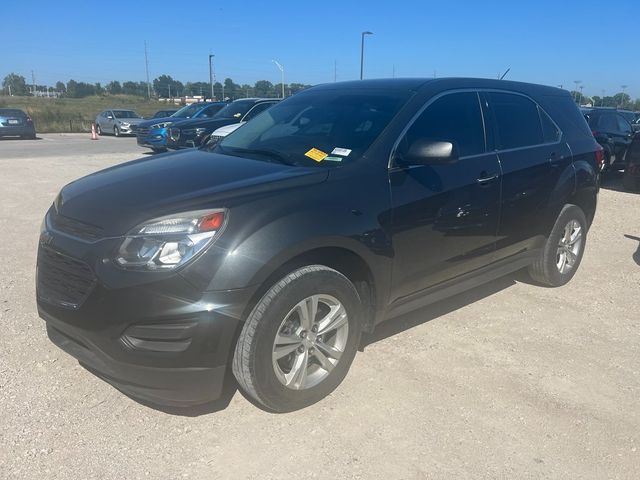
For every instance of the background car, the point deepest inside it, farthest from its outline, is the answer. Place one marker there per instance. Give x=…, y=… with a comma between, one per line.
x=16, y=123
x=164, y=113
x=636, y=124
x=631, y=179
x=194, y=132
x=153, y=133
x=613, y=131
x=118, y=122
x=222, y=132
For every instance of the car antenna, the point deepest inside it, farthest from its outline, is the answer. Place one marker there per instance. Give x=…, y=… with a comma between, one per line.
x=505, y=73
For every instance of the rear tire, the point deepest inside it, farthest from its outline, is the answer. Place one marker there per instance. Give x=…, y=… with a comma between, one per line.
x=563, y=250
x=286, y=359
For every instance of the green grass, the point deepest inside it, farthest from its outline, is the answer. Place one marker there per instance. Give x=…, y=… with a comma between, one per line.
x=52, y=115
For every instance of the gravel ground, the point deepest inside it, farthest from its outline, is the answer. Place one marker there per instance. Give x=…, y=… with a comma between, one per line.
x=508, y=380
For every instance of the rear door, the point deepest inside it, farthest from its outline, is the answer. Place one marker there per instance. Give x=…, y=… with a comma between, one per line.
x=535, y=163
x=445, y=217
x=624, y=137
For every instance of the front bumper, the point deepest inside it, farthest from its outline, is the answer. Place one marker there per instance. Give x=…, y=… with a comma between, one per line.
x=155, y=138
x=160, y=339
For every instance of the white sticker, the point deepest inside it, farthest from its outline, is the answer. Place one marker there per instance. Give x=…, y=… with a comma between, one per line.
x=341, y=151
x=333, y=159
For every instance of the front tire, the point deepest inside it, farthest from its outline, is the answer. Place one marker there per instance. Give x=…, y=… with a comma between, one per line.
x=116, y=131
x=563, y=250
x=98, y=129
x=298, y=343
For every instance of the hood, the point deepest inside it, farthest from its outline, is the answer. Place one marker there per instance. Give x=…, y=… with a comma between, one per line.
x=209, y=123
x=153, y=121
x=119, y=198
x=227, y=129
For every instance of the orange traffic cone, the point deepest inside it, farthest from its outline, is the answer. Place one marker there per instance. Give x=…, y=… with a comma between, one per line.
x=93, y=132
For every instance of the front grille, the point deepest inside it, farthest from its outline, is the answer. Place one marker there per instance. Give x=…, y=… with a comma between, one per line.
x=133, y=128
x=76, y=228
x=63, y=280
x=142, y=131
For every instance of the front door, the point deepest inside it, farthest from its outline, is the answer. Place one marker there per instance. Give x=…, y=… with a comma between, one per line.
x=445, y=217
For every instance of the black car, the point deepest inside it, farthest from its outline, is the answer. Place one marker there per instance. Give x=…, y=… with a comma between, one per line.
x=194, y=132
x=613, y=131
x=340, y=207
x=16, y=123
x=631, y=178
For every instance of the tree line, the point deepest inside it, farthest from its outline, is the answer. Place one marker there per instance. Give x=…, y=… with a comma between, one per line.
x=163, y=86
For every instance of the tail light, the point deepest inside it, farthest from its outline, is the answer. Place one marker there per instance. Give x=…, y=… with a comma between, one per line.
x=599, y=157
x=29, y=120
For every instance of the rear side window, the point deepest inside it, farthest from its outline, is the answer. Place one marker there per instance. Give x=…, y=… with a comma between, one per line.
x=454, y=118
x=608, y=122
x=517, y=121
x=623, y=125
x=550, y=132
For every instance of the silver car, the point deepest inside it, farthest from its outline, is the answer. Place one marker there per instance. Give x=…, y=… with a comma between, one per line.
x=117, y=122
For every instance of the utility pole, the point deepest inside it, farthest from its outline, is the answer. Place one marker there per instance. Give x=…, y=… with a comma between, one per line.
x=362, y=54
x=33, y=82
x=223, y=91
x=169, y=91
x=211, y=73
x=577, y=82
x=10, y=91
x=623, y=87
x=146, y=67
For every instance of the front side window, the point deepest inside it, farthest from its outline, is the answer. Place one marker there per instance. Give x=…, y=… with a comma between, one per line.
x=210, y=111
x=236, y=109
x=454, y=118
x=324, y=127
x=517, y=121
x=261, y=107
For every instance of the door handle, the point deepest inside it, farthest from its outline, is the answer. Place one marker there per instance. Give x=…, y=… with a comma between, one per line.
x=486, y=179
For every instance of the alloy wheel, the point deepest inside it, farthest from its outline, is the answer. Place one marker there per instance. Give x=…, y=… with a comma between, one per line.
x=569, y=247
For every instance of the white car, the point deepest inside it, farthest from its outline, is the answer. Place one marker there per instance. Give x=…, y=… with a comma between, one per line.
x=222, y=132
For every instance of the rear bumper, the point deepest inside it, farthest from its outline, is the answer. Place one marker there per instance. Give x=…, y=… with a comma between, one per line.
x=20, y=130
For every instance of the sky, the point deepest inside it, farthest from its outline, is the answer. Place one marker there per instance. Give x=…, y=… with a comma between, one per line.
x=548, y=42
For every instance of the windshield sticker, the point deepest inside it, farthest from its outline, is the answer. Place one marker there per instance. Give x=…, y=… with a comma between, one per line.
x=333, y=159
x=341, y=151
x=317, y=155
x=237, y=115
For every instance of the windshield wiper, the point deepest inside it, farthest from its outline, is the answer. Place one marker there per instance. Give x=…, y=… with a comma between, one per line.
x=267, y=153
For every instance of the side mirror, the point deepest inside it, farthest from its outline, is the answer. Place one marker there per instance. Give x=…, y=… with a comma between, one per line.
x=110, y=117
x=429, y=152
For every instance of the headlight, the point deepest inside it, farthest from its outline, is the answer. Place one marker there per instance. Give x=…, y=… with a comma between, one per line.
x=124, y=124
x=161, y=125
x=169, y=242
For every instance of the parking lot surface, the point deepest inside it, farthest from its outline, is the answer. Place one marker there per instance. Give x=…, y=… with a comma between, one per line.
x=509, y=380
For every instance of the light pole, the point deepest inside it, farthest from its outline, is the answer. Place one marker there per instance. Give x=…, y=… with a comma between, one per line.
x=281, y=74
x=577, y=82
x=362, y=54
x=602, y=101
x=211, y=74
x=623, y=87
x=581, y=96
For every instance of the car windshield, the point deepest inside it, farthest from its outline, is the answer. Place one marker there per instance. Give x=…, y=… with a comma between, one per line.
x=316, y=128
x=125, y=114
x=189, y=110
x=235, y=109
x=629, y=116
x=163, y=113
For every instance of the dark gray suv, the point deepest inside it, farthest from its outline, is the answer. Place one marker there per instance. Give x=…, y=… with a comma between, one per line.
x=341, y=207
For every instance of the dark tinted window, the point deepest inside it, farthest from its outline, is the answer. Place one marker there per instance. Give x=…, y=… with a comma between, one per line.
x=608, y=122
x=236, y=109
x=453, y=118
x=210, y=111
x=550, y=132
x=517, y=121
x=623, y=125
x=261, y=107
x=12, y=112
